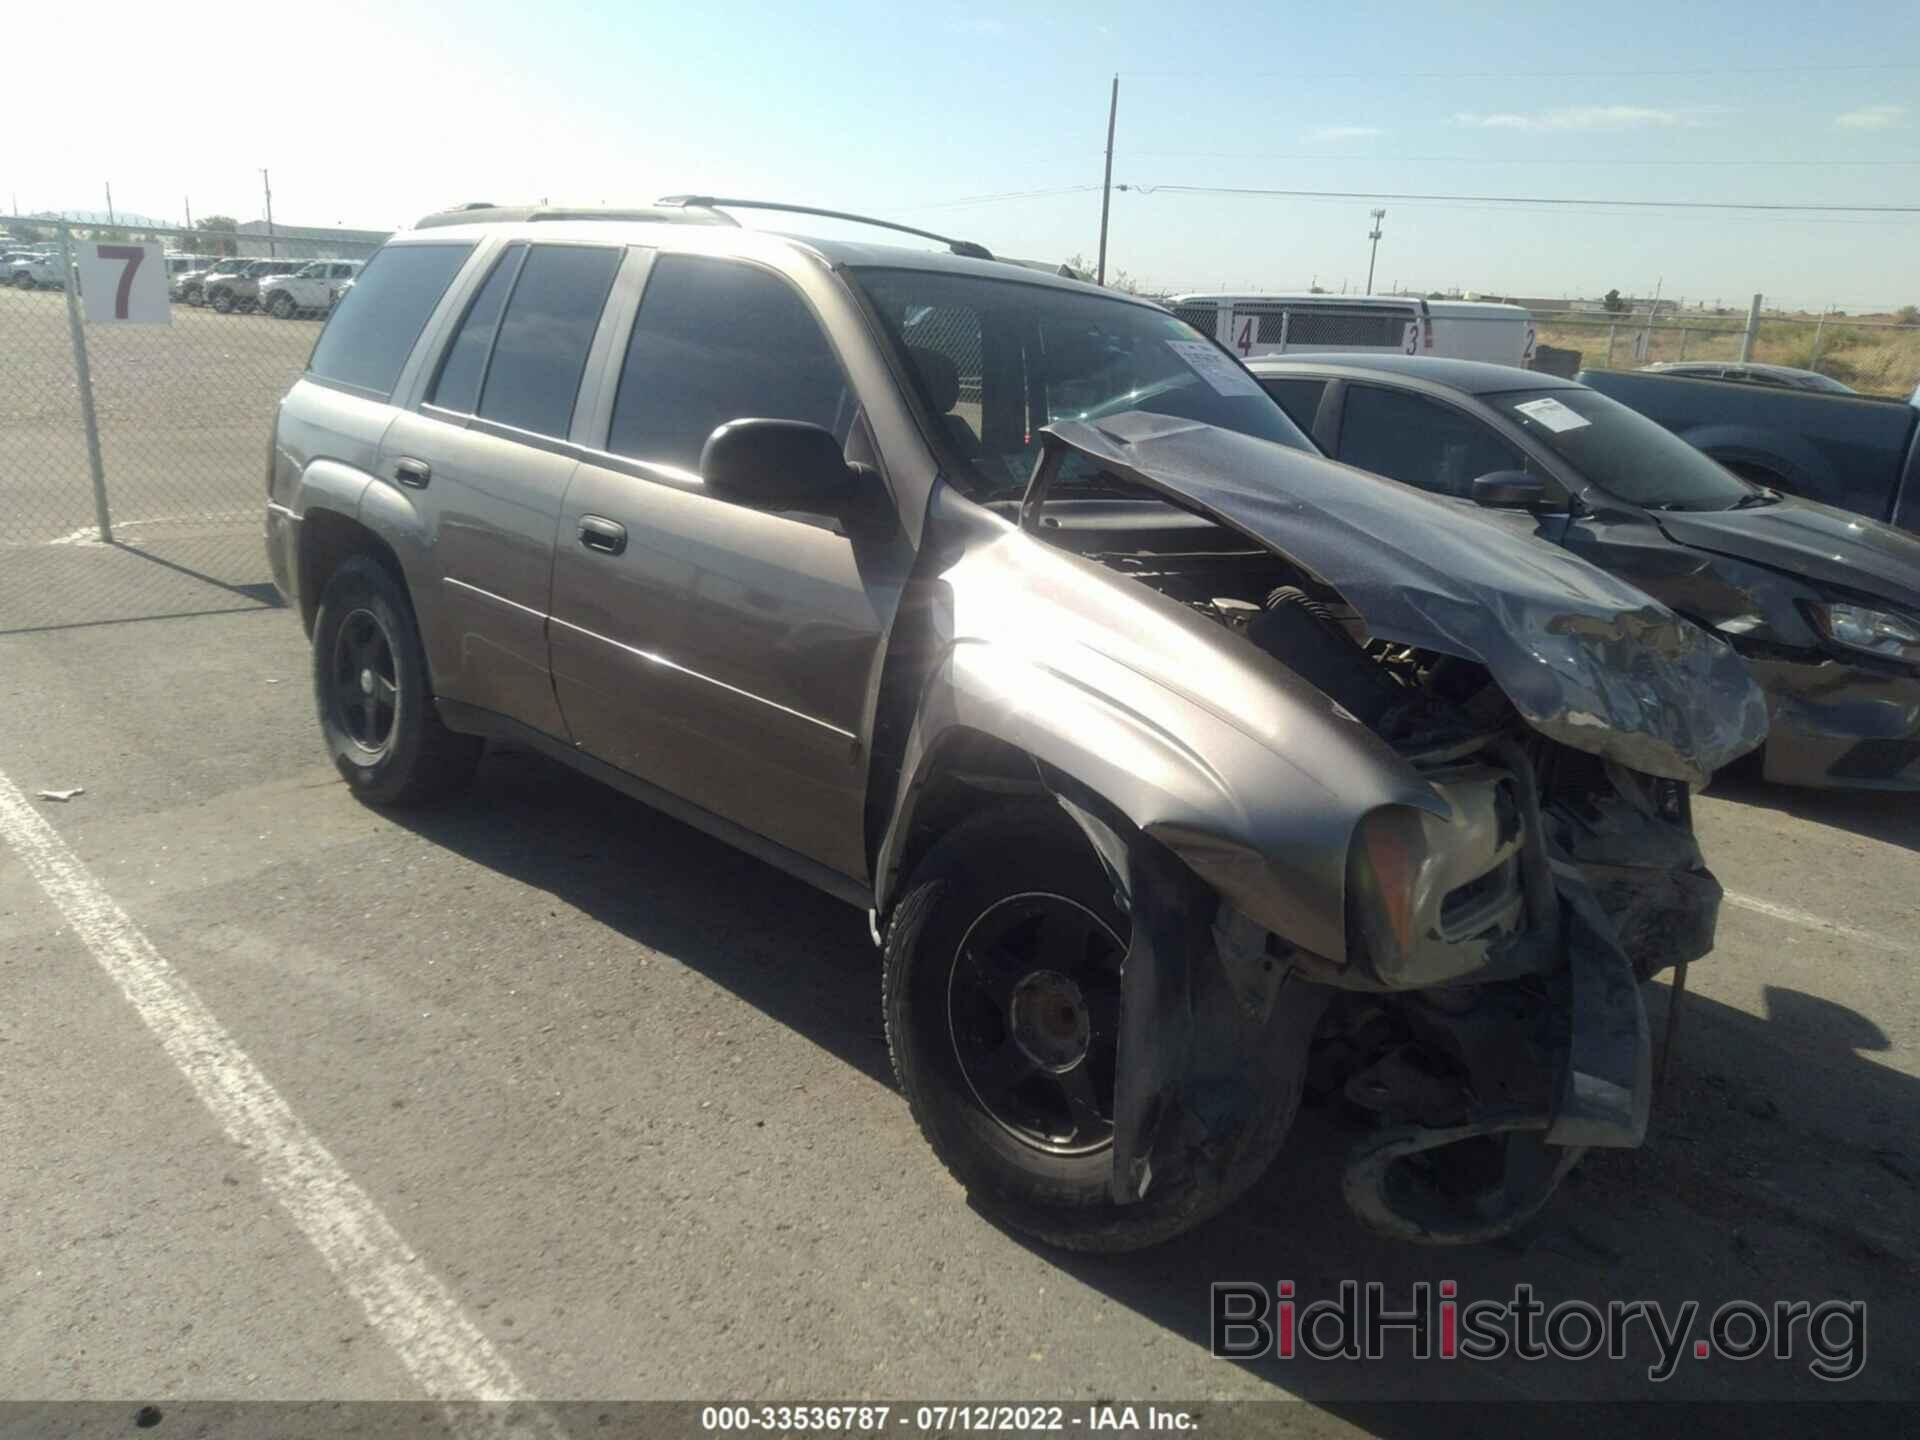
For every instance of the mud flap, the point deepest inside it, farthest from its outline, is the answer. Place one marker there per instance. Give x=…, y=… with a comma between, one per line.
x=1156, y=993
x=1605, y=1089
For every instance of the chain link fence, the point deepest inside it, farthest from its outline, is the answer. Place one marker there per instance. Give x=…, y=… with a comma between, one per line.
x=1878, y=355
x=181, y=412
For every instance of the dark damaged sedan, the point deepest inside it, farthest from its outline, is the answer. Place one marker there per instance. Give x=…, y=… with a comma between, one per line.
x=1824, y=604
x=1174, y=762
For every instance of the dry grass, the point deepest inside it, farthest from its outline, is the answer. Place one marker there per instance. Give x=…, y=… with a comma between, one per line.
x=1875, y=358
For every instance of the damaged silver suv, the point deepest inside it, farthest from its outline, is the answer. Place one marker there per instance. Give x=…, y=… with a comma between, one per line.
x=1175, y=763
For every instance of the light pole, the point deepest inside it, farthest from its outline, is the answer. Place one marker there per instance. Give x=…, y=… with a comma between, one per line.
x=1374, y=254
x=267, y=184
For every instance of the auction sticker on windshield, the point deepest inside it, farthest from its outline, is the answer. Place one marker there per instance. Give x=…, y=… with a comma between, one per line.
x=1216, y=369
x=1552, y=414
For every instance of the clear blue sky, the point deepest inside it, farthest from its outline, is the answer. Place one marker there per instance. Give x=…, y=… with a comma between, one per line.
x=373, y=113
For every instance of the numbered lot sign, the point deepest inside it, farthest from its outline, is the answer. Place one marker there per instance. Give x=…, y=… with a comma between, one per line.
x=122, y=283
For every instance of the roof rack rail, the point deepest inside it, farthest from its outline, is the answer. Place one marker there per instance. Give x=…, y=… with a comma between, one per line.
x=971, y=249
x=483, y=213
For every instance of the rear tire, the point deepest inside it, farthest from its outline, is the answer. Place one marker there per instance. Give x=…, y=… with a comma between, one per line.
x=375, y=702
x=23, y=282
x=222, y=302
x=1010, y=855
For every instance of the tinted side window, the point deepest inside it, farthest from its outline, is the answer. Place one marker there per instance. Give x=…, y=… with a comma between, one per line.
x=1410, y=438
x=544, y=336
x=718, y=341
x=458, y=385
x=371, y=332
x=1299, y=397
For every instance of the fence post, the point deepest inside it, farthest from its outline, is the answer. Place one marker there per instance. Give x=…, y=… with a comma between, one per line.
x=1813, y=360
x=1683, y=342
x=84, y=375
x=1612, y=329
x=1752, y=330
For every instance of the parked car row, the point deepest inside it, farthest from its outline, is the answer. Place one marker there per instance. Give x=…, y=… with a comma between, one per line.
x=282, y=288
x=32, y=269
x=285, y=289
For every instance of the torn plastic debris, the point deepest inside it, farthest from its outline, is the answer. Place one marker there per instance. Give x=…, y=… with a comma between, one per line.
x=63, y=795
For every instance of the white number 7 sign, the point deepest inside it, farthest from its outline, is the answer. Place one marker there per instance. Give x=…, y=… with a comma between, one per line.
x=123, y=284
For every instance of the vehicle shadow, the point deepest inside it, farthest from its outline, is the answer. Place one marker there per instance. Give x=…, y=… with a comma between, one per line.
x=1783, y=1162
x=792, y=952
x=1885, y=815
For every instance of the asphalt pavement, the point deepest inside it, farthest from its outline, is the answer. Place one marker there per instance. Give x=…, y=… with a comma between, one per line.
x=543, y=1095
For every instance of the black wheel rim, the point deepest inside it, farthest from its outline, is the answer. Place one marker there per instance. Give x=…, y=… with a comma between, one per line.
x=1033, y=1009
x=363, y=685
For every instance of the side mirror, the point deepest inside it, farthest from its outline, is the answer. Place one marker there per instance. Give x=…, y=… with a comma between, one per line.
x=777, y=465
x=1508, y=490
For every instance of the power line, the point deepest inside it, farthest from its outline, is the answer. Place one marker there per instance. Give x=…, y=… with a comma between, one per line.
x=997, y=198
x=1551, y=200
x=1399, y=75
x=1556, y=161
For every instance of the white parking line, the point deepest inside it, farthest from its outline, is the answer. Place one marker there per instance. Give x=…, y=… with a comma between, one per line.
x=1817, y=922
x=411, y=1310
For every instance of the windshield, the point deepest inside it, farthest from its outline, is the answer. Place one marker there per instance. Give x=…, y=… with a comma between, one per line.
x=1623, y=452
x=995, y=360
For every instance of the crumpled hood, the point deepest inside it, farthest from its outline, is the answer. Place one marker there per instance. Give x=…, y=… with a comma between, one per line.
x=1803, y=538
x=1586, y=659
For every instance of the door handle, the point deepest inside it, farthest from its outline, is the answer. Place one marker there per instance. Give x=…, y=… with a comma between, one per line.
x=412, y=473
x=606, y=536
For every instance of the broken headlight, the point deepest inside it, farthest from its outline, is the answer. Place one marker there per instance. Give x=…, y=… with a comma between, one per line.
x=1876, y=632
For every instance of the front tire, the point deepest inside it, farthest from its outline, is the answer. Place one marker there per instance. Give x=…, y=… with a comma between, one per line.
x=1037, y=1153
x=282, y=306
x=222, y=302
x=371, y=688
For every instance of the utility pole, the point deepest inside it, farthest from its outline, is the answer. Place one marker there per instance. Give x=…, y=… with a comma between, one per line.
x=1752, y=330
x=272, y=249
x=110, y=219
x=1106, y=186
x=188, y=202
x=1374, y=254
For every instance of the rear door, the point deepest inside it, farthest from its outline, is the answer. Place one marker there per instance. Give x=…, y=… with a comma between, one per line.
x=723, y=653
x=485, y=460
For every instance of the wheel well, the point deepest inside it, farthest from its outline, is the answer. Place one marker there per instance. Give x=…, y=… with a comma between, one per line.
x=972, y=771
x=328, y=539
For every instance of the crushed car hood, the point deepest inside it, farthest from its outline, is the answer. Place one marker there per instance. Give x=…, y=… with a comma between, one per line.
x=1803, y=538
x=1586, y=659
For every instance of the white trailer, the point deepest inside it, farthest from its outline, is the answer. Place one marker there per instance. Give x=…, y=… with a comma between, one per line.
x=1254, y=325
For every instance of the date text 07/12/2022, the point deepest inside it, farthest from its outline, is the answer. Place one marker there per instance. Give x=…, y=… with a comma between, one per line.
x=945, y=1419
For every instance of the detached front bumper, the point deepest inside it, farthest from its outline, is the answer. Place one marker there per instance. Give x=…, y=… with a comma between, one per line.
x=1835, y=724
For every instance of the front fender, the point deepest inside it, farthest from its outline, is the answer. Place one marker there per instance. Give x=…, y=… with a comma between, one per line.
x=1258, y=826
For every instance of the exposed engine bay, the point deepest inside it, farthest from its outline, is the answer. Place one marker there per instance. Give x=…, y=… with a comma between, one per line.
x=1452, y=1045
x=1484, y=1026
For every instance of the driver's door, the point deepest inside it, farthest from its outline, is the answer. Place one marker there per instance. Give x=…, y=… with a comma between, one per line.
x=724, y=654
